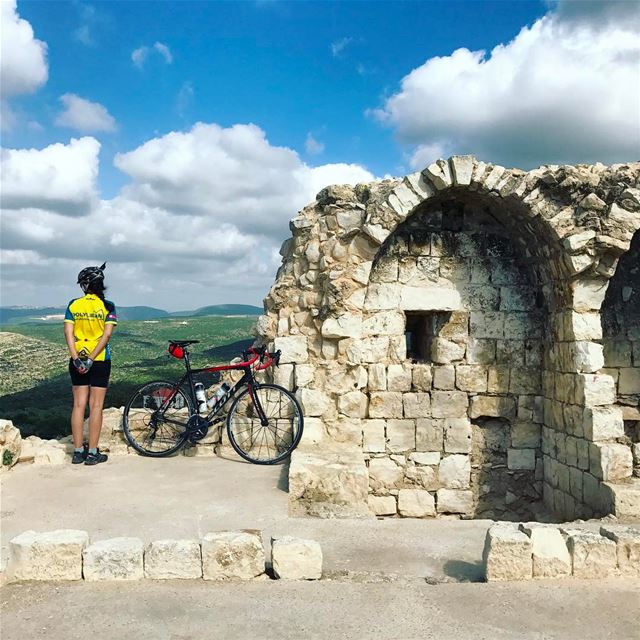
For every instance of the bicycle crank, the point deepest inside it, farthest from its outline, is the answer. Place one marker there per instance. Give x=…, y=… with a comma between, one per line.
x=197, y=428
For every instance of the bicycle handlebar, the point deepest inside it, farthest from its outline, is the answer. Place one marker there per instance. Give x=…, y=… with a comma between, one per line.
x=261, y=353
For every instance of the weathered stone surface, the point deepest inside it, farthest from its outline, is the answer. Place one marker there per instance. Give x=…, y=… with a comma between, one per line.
x=401, y=435
x=114, y=559
x=425, y=458
x=416, y=405
x=627, y=541
x=173, y=559
x=449, y=404
x=346, y=325
x=455, y=501
x=592, y=555
x=595, y=389
x=373, y=436
x=385, y=404
x=507, y=553
x=416, y=503
x=610, y=461
x=521, y=459
x=383, y=505
x=52, y=555
x=43, y=452
x=384, y=474
x=313, y=401
x=429, y=434
x=457, y=435
x=429, y=299
x=10, y=444
x=294, y=349
x=296, y=558
x=455, y=472
x=322, y=476
x=353, y=404
x=444, y=351
x=423, y=476
x=492, y=406
x=232, y=555
x=551, y=558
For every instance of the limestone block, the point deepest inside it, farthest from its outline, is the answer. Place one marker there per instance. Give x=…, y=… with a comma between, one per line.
x=304, y=375
x=294, y=349
x=383, y=323
x=429, y=299
x=627, y=541
x=444, y=351
x=346, y=325
x=416, y=503
x=332, y=477
x=374, y=349
x=114, y=559
x=382, y=296
x=457, y=501
x=461, y=169
x=313, y=433
x=444, y=377
x=401, y=435
x=52, y=555
x=353, y=404
x=629, y=381
x=457, y=435
x=551, y=558
x=398, y=378
x=603, y=423
x=493, y=407
x=429, y=434
x=385, y=474
x=296, y=558
x=583, y=326
x=471, y=378
x=588, y=357
x=314, y=402
x=383, y=505
x=623, y=499
x=481, y=351
x=592, y=555
x=487, y=324
x=507, y=553
x=421, y=377
x=595, y=389
x=10, y=444
x=455, y=472
x=284, y=376
x=385, y=404
x=425, y=457
x=173, y=559
x=521, y=459
x=449, y=404
x=588, y=293
x=416, y=405
x=524, y=380
x=373, y=440
x=439, y=174
x=498, y=379
x=232, y=555
x=525, y=435
x=424, y=477
x=42, y=452
x=610, y=461
x=377, y=378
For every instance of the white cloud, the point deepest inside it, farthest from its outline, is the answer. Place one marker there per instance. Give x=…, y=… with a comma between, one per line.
x=83, y=35
x=59, y=178
x=227, y=174
x=312, y=146
x=184, y=97
x=140, y=55
x=563, y=90
x=23, y=63
x=338, y=47
x=83, y=115
x=200, y=222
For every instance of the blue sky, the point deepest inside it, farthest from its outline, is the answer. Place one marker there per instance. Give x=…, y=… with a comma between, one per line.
x=335, y=91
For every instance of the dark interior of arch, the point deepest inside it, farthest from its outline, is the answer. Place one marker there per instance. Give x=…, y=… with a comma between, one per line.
x=621, y=335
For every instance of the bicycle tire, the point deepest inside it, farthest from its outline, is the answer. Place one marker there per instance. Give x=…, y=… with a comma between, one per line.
x=244, y=426
x=140, y=412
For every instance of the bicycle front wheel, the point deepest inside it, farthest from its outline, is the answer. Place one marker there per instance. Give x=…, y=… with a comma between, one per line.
x=155, y=419
x=265, y=424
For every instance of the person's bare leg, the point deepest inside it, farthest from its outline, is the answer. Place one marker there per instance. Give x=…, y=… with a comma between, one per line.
x=96, y=402
x=80, y=399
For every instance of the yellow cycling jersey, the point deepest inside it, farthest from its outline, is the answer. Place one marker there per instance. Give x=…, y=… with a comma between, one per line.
x=89, y=317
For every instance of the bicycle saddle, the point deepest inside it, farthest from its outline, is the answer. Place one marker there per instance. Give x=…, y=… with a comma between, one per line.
x=183, y=343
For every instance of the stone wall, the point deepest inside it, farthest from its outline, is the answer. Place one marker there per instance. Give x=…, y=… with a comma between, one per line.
x=493, y=280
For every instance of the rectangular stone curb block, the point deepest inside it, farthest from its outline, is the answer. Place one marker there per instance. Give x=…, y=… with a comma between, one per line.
x=592, y=556
x=627, y=541
x=171, y=559
x=551, y=558
x=296, y=558
x=508, y=553
x=114, y=559
x=232, y=555
x=51, y=555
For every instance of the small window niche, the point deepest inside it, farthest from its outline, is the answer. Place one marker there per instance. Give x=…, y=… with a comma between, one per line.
x=421, y=327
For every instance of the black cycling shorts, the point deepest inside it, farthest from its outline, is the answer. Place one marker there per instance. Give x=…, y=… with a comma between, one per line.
x=97, y=376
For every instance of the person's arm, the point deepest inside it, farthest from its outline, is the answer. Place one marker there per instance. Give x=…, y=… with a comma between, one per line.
x=106, y=336
x=71, y=342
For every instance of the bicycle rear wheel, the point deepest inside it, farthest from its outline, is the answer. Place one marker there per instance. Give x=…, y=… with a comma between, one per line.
x=268, y=443
x=155, y=419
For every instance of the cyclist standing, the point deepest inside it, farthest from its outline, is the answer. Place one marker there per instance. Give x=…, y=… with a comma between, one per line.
x=88, y=325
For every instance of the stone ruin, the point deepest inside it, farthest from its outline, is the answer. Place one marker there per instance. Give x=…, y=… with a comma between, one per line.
x=465, y=342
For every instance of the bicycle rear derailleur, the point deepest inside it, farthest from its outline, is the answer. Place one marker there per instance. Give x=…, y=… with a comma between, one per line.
x=197, y=428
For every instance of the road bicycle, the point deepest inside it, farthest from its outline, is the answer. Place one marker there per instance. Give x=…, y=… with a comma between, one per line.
x=264, y=421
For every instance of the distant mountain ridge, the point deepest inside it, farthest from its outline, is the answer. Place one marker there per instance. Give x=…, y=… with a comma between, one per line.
x=17, y=315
